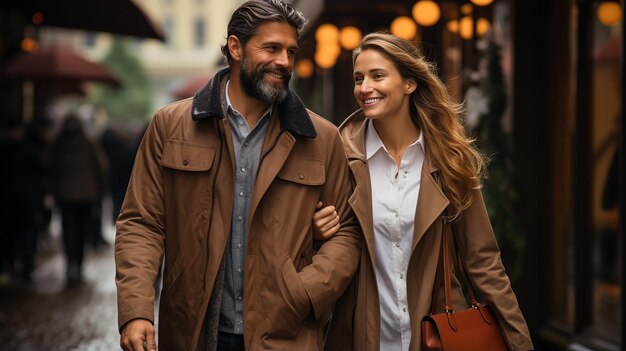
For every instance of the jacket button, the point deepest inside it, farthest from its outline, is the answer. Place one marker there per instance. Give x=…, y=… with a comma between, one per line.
x=185, y=162
x=301, y=176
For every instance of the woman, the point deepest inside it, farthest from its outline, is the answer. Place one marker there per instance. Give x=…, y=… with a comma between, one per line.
x=413, y=166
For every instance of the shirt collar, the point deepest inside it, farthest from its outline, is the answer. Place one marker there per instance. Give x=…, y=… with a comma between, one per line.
x=373, y=143
x=210, y=103
x=230, y=107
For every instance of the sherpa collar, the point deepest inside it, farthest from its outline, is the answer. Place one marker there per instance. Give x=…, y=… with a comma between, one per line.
x=293, y=116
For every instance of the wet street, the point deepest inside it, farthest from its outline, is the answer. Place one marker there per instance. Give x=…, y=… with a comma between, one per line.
x=49, y=314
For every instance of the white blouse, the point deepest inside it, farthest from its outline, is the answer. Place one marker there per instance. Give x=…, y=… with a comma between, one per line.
x=394, y=200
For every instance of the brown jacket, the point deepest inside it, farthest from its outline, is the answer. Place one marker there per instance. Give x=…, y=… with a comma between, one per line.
x=358, y=312
x=179, y=203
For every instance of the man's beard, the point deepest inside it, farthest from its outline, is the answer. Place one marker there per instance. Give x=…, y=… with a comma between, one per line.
x=254, y=86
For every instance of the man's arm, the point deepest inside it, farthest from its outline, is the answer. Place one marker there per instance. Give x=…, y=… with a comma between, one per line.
x=335, y=263
x=140, y=234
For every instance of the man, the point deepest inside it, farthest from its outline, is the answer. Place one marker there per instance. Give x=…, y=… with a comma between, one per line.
x=225, y=186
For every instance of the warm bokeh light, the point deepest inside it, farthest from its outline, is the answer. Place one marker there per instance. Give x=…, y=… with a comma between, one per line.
x=466, y=27
x=453, y=26
x=329, y=48
x=482, y=26
x=426, y=13
x=29, y=44
x=466, y=9
x=37, y=18
x=481, y=2
x=609, y=13
x=327, y=33
x=350, y=37
x=404, y=27
x=325, y=60
x=304, y=68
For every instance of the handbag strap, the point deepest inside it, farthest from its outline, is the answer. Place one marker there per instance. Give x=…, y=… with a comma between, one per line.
x=471, y=291
x=443, y=266
x=444, y=270
x=438, y=276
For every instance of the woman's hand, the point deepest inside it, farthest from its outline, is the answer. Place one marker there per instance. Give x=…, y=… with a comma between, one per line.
x=325, y=222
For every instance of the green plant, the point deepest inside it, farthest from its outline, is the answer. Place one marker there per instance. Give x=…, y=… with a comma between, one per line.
x=498, y=189
x=133, y=99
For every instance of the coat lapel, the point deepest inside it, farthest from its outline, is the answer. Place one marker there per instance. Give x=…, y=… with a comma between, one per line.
x=361, y=199
x=276, y=149
x=361, y=202
x=431, y=203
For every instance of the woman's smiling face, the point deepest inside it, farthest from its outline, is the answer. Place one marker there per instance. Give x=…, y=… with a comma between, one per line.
x=379, y=88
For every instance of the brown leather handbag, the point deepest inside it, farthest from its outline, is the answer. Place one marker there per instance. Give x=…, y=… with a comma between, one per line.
x=475, y=329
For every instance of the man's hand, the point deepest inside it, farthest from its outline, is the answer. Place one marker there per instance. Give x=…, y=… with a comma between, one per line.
x=138, y=335
x=325, y=222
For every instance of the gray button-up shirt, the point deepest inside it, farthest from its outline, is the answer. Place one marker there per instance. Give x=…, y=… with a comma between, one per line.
x=248, y=144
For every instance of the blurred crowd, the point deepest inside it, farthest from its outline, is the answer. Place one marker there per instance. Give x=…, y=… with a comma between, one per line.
x=59, y=169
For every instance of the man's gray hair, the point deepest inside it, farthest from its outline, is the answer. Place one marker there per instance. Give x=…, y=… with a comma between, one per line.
x=246, y=19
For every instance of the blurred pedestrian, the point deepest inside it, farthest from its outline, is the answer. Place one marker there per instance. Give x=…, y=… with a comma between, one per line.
x=416, y=173
x=38, y=136
x=19, y=200
x=224, y=186
x=120, y=150
x=78, y=185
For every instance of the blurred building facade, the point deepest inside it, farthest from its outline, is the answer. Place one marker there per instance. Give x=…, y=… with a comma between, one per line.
x=194, y=31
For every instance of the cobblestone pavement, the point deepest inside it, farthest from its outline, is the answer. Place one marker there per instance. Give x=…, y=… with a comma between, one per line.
x=49, y=314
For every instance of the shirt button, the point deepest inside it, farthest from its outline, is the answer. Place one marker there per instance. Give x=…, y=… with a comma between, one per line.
x=243, y=169
x=239, y=298
x=245, y=143
x=241, y=193
x=401, y=276
x=239, y=246
x=397, y=244
x=240, y=122
x=404, y=309
x=239, y=219
x=239, y=271
x=240, y=322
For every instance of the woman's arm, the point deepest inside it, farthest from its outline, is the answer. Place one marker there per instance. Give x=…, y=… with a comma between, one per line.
x=325, y=222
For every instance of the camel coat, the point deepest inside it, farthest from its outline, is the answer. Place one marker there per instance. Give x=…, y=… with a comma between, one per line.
x=356, y=321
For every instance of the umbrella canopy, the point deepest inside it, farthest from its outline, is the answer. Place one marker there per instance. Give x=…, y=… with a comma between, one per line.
x=190, y=87
x=57, y=64
x=113, y=16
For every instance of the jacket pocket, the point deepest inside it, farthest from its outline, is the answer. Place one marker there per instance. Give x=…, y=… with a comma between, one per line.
x=303, y=171
x=296, y=289
x=187, y=157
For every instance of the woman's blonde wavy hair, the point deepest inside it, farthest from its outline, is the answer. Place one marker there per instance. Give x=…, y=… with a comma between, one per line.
x=461, y=165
